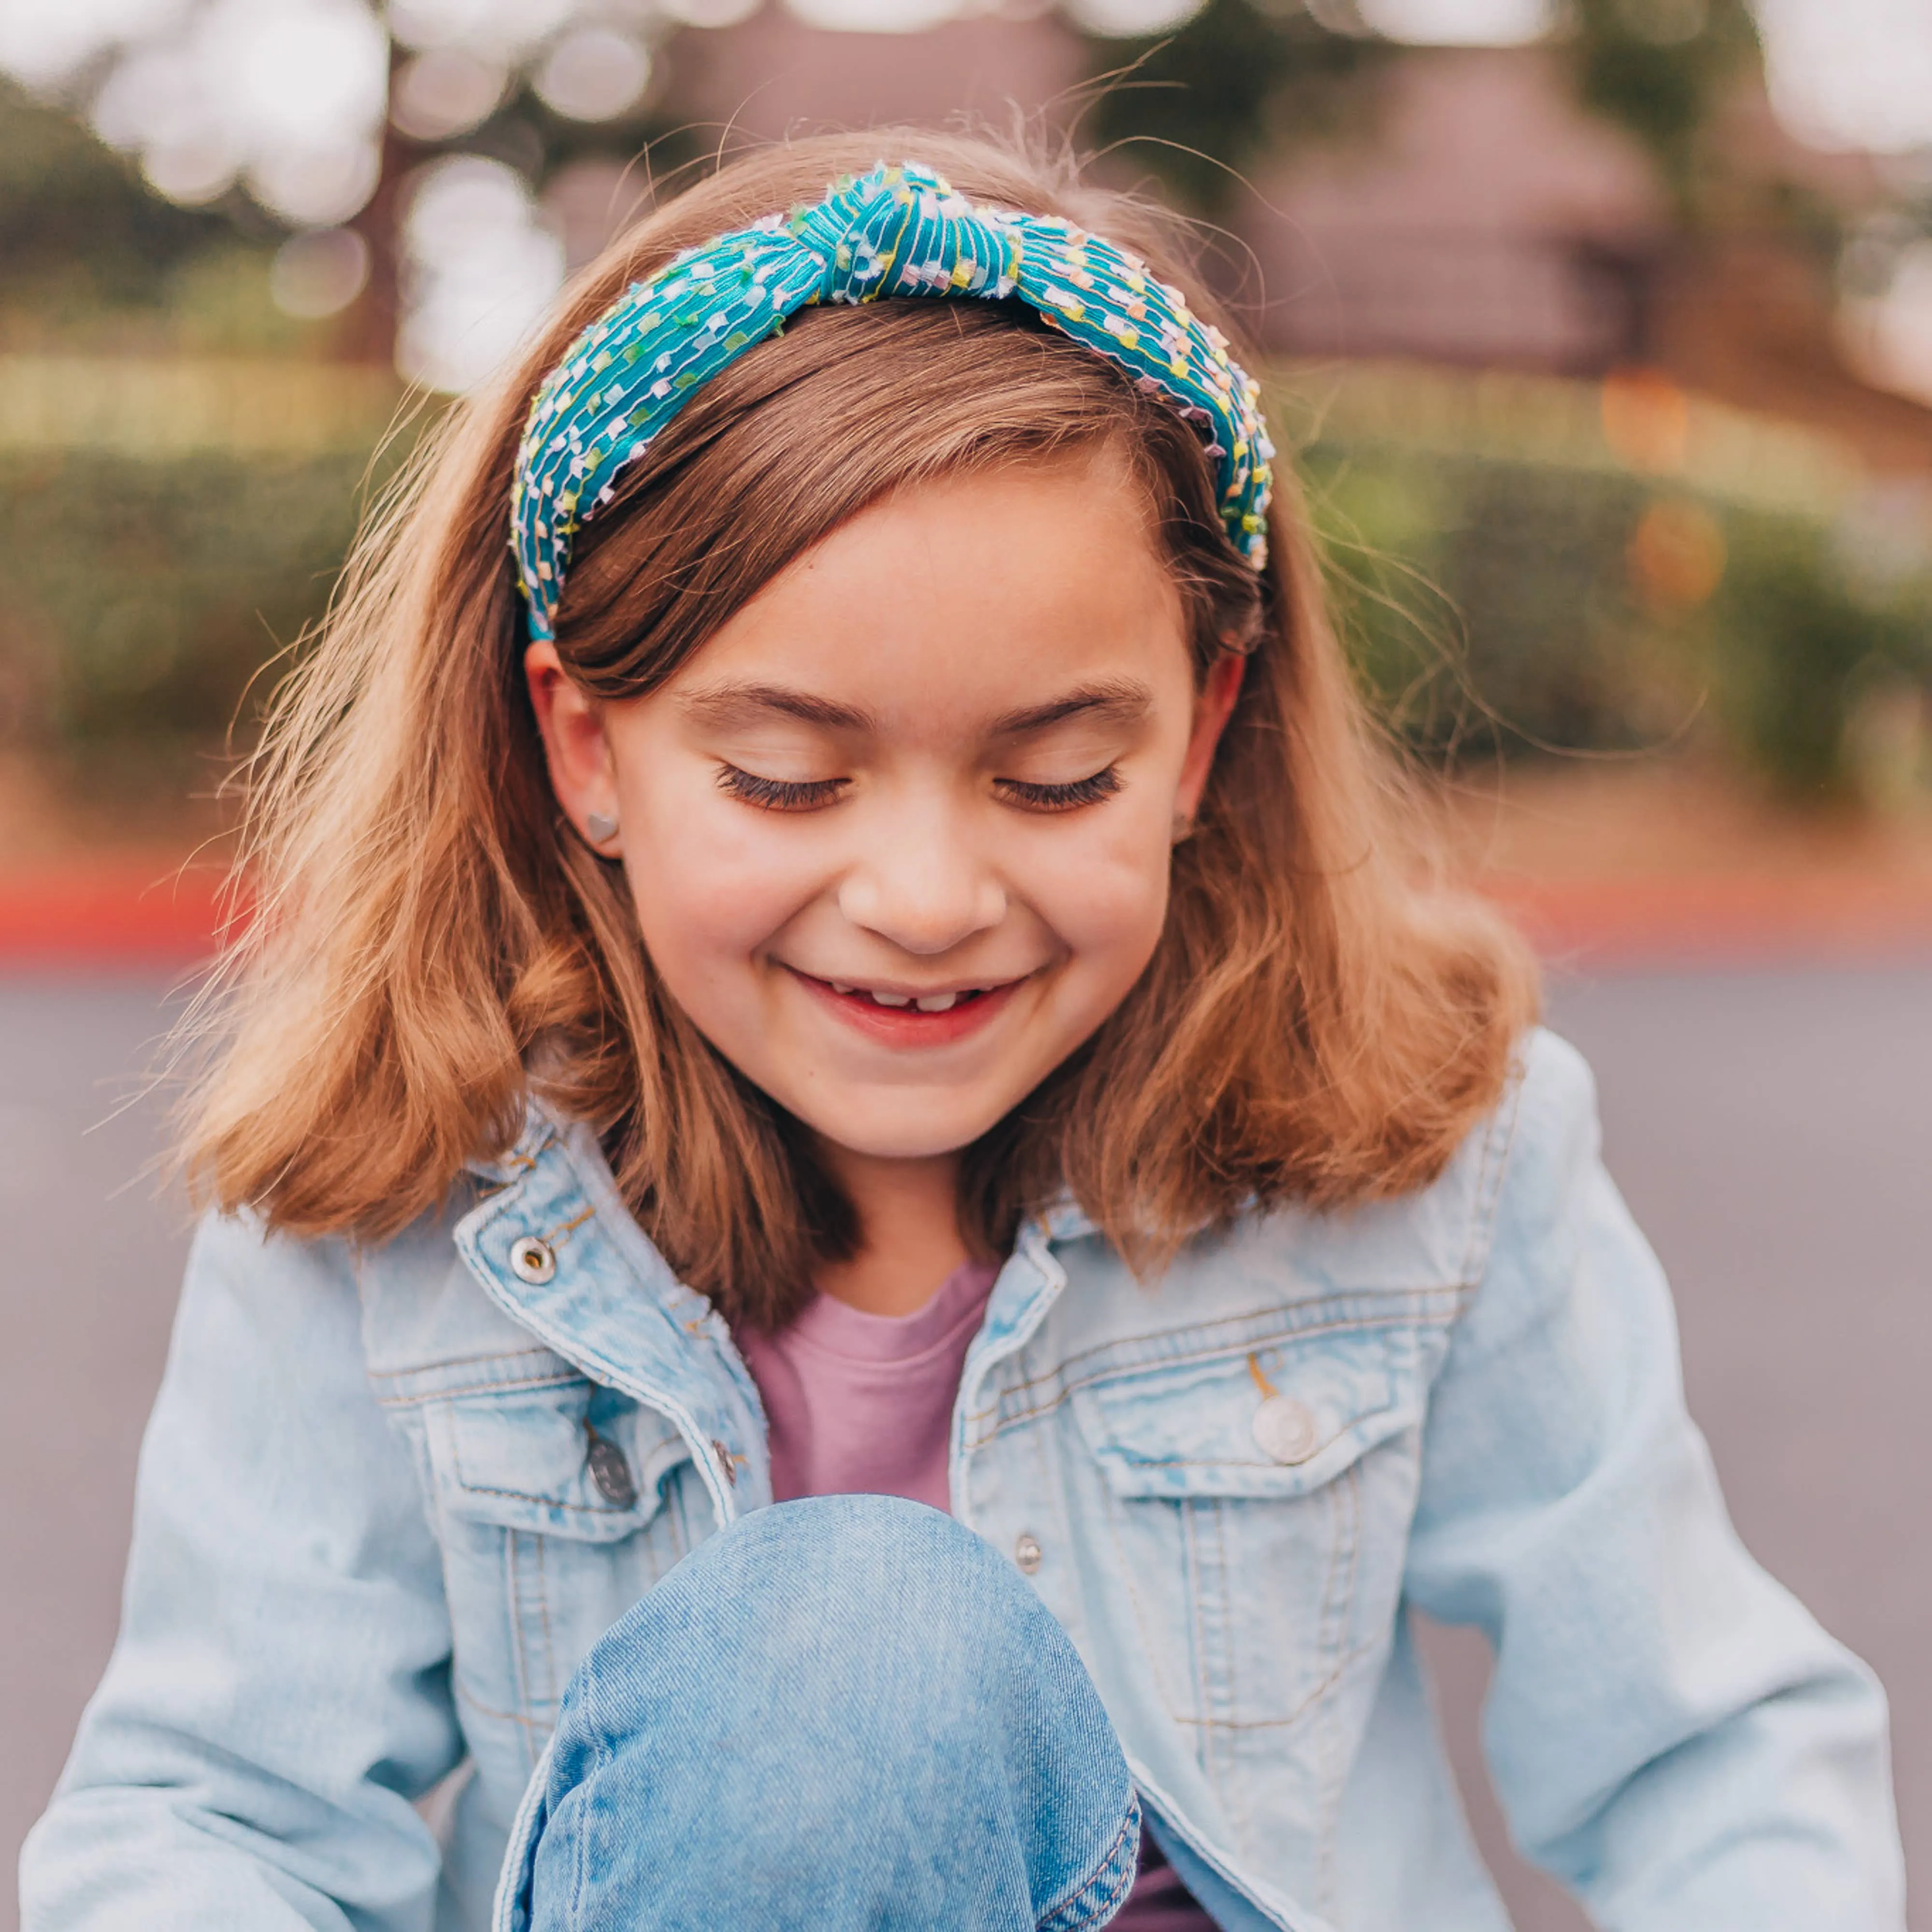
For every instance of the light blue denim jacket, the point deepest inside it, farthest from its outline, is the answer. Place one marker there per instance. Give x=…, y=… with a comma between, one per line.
x=371, y=1544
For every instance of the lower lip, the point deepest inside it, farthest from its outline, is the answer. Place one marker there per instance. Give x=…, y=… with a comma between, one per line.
x=907, y=1026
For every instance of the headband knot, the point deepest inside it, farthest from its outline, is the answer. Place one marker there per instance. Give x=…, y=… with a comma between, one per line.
x=895, y=232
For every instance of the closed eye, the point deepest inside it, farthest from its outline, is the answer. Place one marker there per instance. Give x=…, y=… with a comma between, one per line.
x=1060, y=797
x=779, y=794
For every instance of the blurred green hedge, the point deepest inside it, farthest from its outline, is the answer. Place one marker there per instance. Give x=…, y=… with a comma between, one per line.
x=1510, y=608
x=138, y=598
x=1493, y=603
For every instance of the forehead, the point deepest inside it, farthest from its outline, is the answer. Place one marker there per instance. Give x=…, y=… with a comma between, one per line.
x=965, y=598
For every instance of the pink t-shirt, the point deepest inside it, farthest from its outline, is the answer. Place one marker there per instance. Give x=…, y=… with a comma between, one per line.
x=862, y=1404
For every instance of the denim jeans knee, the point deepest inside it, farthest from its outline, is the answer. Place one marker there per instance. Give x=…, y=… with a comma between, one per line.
x=843, y=1713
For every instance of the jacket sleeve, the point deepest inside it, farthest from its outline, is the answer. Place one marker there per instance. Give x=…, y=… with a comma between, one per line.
x=280, y=1691
x=1668, y=1732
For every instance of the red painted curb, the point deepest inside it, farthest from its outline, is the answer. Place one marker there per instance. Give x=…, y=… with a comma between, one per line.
x=123, y=914
x=1721, y=920
x=132, y=914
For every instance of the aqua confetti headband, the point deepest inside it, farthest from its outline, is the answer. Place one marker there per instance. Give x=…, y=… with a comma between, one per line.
x=898, y=231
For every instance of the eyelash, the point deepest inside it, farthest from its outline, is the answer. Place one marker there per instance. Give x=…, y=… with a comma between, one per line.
x=806, y=795
x=1063, y=797
x=777, y=794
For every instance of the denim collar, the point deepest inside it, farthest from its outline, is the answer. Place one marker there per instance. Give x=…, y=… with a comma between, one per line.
x=613, y=1307
x=606, y=1300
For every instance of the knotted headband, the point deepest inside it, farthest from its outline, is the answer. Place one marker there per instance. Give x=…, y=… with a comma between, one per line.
x=897, y=231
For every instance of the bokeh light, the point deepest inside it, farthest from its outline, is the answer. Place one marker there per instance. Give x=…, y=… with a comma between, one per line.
x=1461, y=22
x=1675, y=556
x=479, y=267
x=319, y=273
x=1887, y=332
x=873, y=17
x=45, y=42
x=1126, y=17
x=708, y=13
x=1852, y=73
x=446, y=91
x=286, y=94
x=593, y=73
x=507, y=29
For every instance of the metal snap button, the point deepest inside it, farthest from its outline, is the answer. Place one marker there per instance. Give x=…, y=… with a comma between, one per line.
x=1026, y=1554
x=1286, y=1430
x=610, y=1471
x=727, y=1461
x=532, y=1261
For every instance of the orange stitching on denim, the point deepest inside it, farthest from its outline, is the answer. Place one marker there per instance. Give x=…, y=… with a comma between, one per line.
x=569, y=1228
x=1220, y=1351
x=476, y=1703
x=1451, y=1292
x=464, y=1391
x=1068, y=1387
x=1501, y=1140
x=1190, y=1558
x=543, y=1608
x=1116, y=1883
x=1115, y=1515
x=1234, y=1790
x=1322, y=1686
x=461, y=1362
x=470, y=1489
x=515, y=1607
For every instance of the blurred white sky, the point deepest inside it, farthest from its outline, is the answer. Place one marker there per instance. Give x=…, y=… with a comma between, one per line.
x=288, y=98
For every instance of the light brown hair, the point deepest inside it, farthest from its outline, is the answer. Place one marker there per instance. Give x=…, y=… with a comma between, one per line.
x=1317, y=1024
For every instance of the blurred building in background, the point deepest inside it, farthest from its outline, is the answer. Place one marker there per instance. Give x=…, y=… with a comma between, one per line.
x=1602, y=331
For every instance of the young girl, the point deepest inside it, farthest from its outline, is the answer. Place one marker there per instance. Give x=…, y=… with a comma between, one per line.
x=830, y=934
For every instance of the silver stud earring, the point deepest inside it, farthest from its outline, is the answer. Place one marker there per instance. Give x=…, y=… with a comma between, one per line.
x=599, y=827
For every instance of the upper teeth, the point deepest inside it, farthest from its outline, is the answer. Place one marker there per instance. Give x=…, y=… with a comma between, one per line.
x=927, y=1002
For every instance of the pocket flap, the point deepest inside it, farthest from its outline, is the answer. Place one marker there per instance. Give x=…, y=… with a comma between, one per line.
x=1198, y=1429
x=569, y=1459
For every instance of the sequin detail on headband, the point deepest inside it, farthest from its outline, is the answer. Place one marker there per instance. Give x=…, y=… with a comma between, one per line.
x=897, y=231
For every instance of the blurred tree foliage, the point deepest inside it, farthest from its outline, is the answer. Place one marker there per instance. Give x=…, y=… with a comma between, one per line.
x=1497, y=608
x=77, y=219
x=93, y=258
x=1659, y=68
x=1243, y=79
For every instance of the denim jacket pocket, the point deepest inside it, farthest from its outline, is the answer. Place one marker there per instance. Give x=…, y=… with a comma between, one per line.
x=558, y=1504
x=567, y=1458
x=1276, y=1423
x=1255, y=1504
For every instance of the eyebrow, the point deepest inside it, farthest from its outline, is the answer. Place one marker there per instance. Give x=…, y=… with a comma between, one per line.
x=737, y=703
x=1108, y=700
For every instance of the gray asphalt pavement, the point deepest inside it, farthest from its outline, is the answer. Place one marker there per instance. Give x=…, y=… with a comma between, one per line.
x=1772, y=1129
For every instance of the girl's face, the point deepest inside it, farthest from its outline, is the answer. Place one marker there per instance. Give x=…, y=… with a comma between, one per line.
x=899, y=835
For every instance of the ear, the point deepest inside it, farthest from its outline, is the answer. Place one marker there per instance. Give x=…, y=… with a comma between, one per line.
x=576, y=749
x=1213, y=707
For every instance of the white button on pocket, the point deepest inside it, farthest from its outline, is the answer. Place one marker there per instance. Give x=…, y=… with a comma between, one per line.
x=531, y=1260
x=1286, y=1429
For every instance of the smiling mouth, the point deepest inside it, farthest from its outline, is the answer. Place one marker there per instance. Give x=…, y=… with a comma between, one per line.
x=905, y=1018
x=923, y=1002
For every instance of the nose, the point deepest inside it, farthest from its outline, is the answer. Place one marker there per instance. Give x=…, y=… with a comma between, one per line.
x=920, y=886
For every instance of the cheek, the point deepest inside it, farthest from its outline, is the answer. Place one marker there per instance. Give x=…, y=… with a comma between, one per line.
x=712, y=882
x=1105, y=895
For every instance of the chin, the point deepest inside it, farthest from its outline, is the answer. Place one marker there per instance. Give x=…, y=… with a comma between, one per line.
x=901, y=1132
